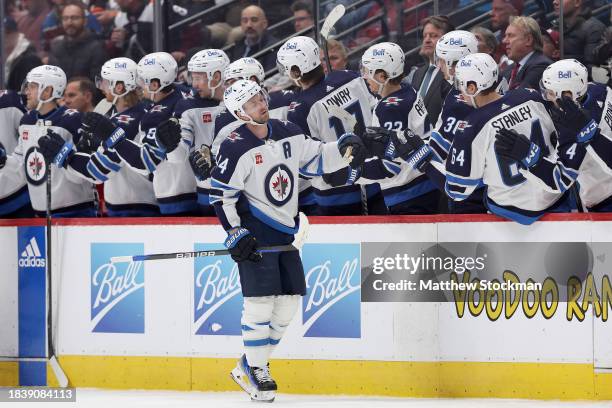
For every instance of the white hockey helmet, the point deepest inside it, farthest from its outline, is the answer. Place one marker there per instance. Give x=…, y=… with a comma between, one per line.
x=568, y=75
x=386, y=56
x=209, y=61
x=245, y=68
x=301, y=52
x=454, y=45
x=237, y=94
x=479, y=68
x=117, y=70
x=159, y=66
x=47, y=76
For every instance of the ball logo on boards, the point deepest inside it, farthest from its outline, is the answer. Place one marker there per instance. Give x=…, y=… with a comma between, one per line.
x=332, y=306
x=117, y=290
x=217, y=294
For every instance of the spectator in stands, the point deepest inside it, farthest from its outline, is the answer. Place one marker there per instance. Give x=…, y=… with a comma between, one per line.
x=337, y=56
x=550, y=44
x=427, y=79
x=78, y=52
x=302, y=14
x=30, y=23
x=253, y=23
x=132, y=34
x=52, y=26
x=501, y=11
x=487, y=42
x=20, y=54
x=603, y=51
x=524, y=46
x=582, y=32
x=80, y=94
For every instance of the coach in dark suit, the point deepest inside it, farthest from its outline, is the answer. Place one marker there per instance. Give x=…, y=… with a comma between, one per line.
x=523, y=42
x=427, y=79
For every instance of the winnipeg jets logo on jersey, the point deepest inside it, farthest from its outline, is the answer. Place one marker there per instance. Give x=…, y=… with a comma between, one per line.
x=393, y=100
x=279, y=185
x=462, y=125
x=70, y=112
x=232, y=137
x=157, y=108
x=187, y=95
x=329, y=88
x=35, y=166
x=206, y=117
x=126, y=119
x=293, y=106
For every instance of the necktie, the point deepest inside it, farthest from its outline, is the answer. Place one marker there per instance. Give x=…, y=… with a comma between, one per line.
x=425, y=84
x=515, y=70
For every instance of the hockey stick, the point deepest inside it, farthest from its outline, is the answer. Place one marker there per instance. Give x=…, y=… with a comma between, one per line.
x=330, y=21
x=351, y=123
x=298, y=242
x=57, y=370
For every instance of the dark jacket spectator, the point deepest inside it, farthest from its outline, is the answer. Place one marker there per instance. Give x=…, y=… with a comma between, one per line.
x=582, y=33
x=524, y=46
x=21, y=56
x=603, y=51
x=132, y=34
x=78, y=52
x=427, y=79
x=253, y=23
x=52, y=26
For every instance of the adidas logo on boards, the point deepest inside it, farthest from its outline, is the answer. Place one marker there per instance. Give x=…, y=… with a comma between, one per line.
x=31, y=255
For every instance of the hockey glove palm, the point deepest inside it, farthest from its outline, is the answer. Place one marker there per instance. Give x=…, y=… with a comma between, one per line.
x=352, y=149
x=513, y=146
x=55, y=149
x=2, y=156
x=242, y=245
x=201, y=162
x=168, y=134
x=101, y=130
x=574, y=123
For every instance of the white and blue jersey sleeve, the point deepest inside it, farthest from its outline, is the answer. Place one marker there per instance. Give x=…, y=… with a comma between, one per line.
x=262, y=176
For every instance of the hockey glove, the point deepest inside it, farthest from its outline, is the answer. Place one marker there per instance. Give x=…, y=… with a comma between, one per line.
x=573, y=123
x=102, y=130
x=513, y=146
x=242, y=245
x=201, y=162
x=168, y=134
x=343, y=177
x=2, y=156
x=412, y=149
x=378, y=142
x=55, y=149
x=353, y=150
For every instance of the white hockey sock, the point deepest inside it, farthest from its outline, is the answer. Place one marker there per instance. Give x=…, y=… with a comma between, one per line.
x=256, y=318
x=284, y=309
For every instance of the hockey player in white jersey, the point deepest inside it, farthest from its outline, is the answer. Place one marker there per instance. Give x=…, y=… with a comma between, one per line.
x=511, y=190
x=173, y=183
x=71, y=195
x=583, y=118
x=126, y=192
x=299, y=59
x=14, y=198
x=450, y=48
x=255, y=197
x=197, y=115
x=400, y=108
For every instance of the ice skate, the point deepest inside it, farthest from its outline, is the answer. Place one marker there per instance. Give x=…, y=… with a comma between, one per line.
x=255, y=381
